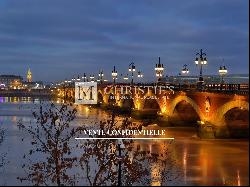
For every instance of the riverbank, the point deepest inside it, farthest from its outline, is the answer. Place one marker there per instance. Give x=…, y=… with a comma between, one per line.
x=41, y=93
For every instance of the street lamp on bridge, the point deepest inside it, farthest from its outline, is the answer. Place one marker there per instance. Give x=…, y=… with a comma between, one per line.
x=125, y=77
x=78, y=78
x=159, y=69
x=201, y=60
x=92, y=78
x=185, y=70
x=114, y=74
x=140, y=75
x=131, y=68
x=84, y=77
x=101, y=75
x=222, y=73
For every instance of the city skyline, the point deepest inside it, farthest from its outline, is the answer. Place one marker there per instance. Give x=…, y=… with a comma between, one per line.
x=97, y=35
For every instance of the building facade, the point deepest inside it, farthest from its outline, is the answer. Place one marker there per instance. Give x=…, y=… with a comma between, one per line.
x=11, y=82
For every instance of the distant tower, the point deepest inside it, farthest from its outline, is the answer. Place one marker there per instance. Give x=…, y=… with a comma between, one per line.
x=29, y=76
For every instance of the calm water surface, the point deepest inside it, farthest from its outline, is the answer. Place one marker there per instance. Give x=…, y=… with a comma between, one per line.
x=201, y=162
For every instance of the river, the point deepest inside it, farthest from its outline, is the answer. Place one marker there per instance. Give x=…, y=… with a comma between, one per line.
x=201, y=162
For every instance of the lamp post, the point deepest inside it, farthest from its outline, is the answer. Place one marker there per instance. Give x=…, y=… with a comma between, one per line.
x=92, y=78
x=159, y=69
x=101, y=74
x=201, y=60
x=84, y=77
x=140, y=75
x=125, y=78
x=114, y=74
x=78, y=78
x=222, y=73
x=185, y=70
x=131, y=68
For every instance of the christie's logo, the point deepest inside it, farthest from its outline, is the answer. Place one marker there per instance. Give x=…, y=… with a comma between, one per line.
x=86, y=93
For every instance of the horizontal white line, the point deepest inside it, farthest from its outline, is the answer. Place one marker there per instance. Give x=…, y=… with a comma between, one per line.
x=125, y=138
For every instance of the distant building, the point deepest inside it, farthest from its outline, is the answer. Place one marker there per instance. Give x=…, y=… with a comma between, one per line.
x=29, y=84
x=29, y=76
x=33, y=85
x=11, y=82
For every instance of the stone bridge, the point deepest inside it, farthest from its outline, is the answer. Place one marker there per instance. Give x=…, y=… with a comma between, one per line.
x=218, y=109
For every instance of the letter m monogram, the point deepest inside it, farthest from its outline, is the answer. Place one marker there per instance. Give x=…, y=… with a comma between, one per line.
x=85, y=92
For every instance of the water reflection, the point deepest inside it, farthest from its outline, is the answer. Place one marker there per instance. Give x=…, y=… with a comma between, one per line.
x=202, y=162
x=185, y=164
x=238, y=177
x=155, y=174
x=19, y=100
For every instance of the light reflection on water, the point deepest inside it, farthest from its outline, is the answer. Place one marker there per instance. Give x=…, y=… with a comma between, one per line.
x=202, y=162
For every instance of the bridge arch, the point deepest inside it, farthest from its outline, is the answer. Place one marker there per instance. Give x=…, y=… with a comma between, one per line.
x=192, y=103
x=127, y=101
x=111, y=99
x=150, y=103
x=219, y=115
x=100, y=98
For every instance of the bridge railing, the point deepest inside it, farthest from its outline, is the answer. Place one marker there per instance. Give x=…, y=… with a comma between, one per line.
x=228, y=88
x=241, y=89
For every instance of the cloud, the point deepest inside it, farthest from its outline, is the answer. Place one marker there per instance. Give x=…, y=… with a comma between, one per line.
x=70, y=38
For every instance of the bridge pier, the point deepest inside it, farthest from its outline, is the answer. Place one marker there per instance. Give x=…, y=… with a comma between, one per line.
x=207, y=130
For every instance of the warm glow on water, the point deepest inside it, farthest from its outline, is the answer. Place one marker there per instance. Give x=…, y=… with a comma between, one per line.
x=201, y=162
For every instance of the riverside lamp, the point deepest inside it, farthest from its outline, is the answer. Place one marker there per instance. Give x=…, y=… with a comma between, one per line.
x=201, y=60
x=222, y=73
x=159, y=69
x=114, y=74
